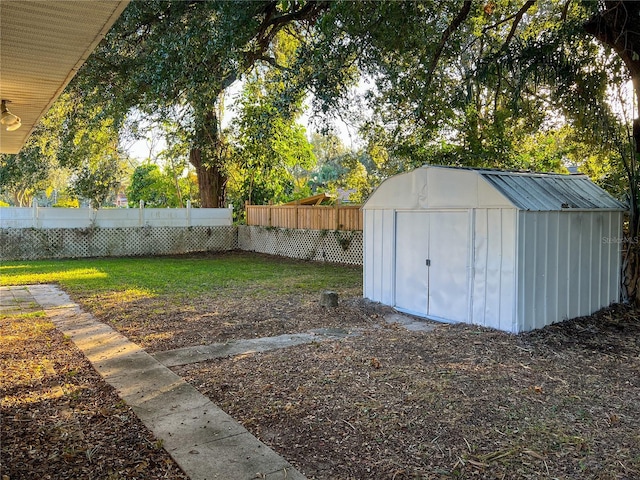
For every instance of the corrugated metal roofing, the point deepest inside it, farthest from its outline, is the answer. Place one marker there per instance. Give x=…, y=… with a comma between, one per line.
x=545, y=192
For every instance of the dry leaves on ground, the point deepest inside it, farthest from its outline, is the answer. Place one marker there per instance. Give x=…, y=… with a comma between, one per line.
x=60, y=420
x=457, y=402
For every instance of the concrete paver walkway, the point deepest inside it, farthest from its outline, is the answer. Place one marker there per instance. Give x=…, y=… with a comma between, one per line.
x=200, y=353
x=207, y=443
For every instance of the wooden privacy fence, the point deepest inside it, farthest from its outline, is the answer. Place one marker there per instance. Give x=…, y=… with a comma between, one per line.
x=338, y=217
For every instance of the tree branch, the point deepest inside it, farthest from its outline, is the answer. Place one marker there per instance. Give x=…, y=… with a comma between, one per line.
x=309, y=9
x=565, y=10
x=518, y=17
x=455, y=24
x=272, y=24
x=272, y=61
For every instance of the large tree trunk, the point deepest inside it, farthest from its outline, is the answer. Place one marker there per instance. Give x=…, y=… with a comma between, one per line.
x=208, y=158
x=211, y=182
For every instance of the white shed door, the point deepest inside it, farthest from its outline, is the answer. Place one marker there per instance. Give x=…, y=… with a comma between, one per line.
x=432, y=254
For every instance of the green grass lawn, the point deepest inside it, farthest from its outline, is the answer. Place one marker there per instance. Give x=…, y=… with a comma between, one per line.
x=185, y=276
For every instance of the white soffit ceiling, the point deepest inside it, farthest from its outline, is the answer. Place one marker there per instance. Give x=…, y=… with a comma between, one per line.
x=43, y=43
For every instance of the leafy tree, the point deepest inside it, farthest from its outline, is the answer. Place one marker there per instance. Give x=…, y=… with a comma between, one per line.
x=89, y=146
x=271, y=149
x=159, y=188
x=30, y=171
x=23, y=175
x=70, y=142
x=147, y=185
x=96, y=181
x=166, y=54
x=488, y=84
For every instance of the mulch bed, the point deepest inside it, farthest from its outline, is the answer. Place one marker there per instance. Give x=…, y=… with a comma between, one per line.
x=60, y=420
x=458, y=402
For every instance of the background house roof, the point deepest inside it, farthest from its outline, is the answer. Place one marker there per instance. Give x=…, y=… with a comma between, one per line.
x=42, y=46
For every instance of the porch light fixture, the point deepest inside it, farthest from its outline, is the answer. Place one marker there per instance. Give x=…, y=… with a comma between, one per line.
x=7, y=118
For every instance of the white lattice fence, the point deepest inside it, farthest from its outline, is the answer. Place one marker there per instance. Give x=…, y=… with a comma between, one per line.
x=31, y=243
x=318, y=245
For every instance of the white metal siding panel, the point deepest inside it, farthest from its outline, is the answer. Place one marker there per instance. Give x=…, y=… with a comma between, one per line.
x=508, y=232
x=586, y=259
x=493, y=290
x=545, y=273
x=552, y=273
x=596, y=294
x=449, y=188
x=378, y=270
x=480, y=254
x=403, y=191
x=538, y=276
x=613, y=248
x=493, y=270
x=378, y=274
x=369, y=267
x=385, y=250
x=615, y=252
x=449, y=252
x=610, y=255
x=490, y=197
x=520, y=287
x=539, y=318
x=527, y=271
x=564, y=267
x=566, y=270
x=574, y=252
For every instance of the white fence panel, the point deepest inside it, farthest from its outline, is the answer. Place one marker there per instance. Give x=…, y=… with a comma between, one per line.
x=34, y=243
x=50, y=217
x=63, y=217
x=118, y=218
x=211, y=217
x=16, y=217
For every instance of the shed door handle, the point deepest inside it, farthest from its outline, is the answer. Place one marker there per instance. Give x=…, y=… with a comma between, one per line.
x=428, y=262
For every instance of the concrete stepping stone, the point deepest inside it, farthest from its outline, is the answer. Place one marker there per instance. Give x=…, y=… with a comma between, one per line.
x=200, y=353
x=410, y=323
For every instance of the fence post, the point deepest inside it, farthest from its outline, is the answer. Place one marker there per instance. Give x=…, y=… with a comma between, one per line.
x=188, y=213
x=337, y=214
x=141, y=214
x=269, y=212
x=34, y=214
x=246, y=212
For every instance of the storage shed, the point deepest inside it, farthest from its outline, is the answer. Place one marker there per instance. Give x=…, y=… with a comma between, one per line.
x=507, y=250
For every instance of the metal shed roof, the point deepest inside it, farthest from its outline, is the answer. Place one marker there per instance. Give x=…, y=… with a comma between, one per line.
x=545, y=192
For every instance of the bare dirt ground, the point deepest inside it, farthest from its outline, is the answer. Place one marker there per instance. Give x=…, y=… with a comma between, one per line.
x=457, y=402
